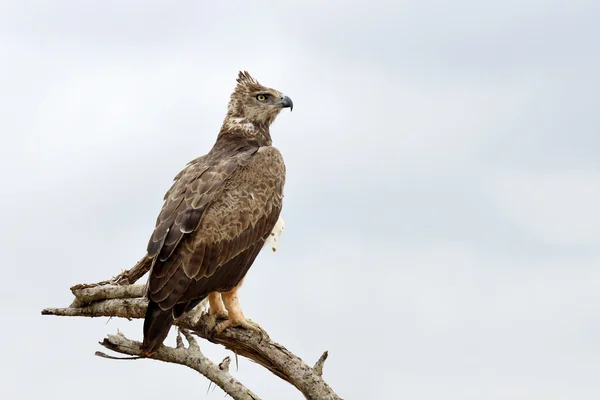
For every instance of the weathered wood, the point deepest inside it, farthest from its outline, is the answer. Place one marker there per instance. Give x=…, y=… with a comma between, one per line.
x=104, y=300
x=191, y=357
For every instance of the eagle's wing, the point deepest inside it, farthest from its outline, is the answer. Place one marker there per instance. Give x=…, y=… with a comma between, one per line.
x=214, y=222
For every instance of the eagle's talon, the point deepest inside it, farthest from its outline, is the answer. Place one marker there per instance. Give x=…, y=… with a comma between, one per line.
x=243, y=323
x=253, y=326
x=211, y=321
x=220, y=327
x=211, y=333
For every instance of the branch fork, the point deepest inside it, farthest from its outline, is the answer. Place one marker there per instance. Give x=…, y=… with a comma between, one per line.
x=120, y=297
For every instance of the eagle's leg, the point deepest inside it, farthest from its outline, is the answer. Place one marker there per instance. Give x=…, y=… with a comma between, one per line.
x=236, y=315
x=217, y=308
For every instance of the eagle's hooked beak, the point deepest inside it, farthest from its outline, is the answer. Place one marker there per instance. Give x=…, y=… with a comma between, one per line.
x=287, y=102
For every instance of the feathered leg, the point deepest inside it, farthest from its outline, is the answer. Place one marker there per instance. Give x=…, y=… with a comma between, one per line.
x=235, y=314
x=217, y=308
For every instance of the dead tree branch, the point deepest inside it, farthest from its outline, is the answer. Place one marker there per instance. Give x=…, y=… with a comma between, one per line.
x=191, y=357
x=112, y=299
x=127, y=277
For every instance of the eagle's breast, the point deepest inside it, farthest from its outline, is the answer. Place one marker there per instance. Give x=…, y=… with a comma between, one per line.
x=252, y=195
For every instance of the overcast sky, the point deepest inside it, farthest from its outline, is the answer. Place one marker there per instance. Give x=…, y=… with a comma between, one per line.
x=442, y=227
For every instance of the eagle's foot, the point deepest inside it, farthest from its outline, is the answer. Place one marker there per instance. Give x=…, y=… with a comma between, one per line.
x=236, y=315
x=219, y=314
x=216, y=306
x=242, y=323
x=149, y=353
x=213, y=317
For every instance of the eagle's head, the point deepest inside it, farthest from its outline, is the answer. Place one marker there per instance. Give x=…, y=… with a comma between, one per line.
x=253, y=103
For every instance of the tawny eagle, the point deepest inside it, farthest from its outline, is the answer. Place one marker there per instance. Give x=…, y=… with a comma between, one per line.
x=216, y=217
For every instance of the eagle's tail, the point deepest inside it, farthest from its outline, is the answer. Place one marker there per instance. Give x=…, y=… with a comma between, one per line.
x=158, y=322
x=156, y=327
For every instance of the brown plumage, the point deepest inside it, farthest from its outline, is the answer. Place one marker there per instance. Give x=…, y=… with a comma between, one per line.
x=217, y=216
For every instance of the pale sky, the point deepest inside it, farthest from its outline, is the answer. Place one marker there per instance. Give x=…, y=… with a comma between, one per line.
x=442, y=227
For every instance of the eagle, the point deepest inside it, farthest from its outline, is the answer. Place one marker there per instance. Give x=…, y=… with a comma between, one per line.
x=216, y=217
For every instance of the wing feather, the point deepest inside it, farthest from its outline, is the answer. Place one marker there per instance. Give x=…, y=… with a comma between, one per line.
x=226, y=208
x=192, y=269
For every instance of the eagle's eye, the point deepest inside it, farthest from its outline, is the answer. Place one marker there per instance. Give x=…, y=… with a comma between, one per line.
x=261, y=97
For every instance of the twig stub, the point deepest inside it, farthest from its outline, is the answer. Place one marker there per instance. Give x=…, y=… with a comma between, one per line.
x=318, y=368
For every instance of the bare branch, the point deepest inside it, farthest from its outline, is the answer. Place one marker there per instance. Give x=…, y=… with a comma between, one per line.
x=193, y=344
x=190, y=357
x=127, y=277
x=123, y=308
x=260, y=349
x=85, y=296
